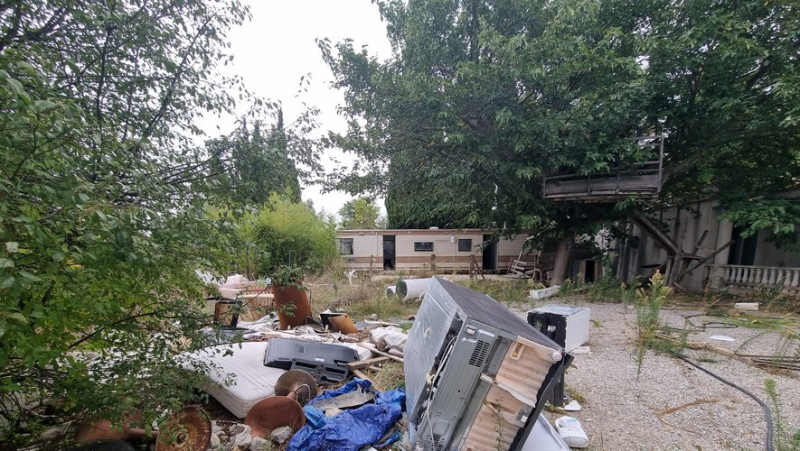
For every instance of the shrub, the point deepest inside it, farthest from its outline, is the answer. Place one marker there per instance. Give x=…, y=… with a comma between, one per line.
x=289, y=233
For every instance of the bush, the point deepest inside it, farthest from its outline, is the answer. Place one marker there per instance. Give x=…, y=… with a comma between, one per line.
x=289, y=233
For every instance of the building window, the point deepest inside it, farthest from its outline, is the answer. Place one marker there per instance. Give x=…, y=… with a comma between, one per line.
x=464, y=245
x=345, y=246
x=423, y=246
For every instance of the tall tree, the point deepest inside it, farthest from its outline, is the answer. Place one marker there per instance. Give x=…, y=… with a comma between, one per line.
x=359, y=213
x=255, y=162
x=483, y=98
x=102, y=201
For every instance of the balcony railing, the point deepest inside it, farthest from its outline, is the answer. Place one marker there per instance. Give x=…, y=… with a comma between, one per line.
x=756, y=276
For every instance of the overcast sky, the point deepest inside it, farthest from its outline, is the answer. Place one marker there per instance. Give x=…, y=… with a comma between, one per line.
x=277, y=47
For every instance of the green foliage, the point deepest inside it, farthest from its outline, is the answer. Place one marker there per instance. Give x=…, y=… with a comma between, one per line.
x=607, y=289
x=288, y=276
x=648, y=307
x=102, y=203
x=782, y=441
x=360, y=213
x=289, y=233
x=482, y=99
x=255, y=163
x=779, y=216
x=509, y=291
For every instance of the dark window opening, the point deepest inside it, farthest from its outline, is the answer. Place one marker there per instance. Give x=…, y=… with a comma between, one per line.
x=464, y=245
x=423, y=246
x=345, y=246
x=743, y=251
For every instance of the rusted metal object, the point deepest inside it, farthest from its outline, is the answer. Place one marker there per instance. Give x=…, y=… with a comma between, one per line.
x=273, y=413
x=98, y=429
x=187, y=430
x=297, y=382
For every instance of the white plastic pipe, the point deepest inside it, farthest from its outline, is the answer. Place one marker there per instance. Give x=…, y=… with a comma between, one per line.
x=412, y=288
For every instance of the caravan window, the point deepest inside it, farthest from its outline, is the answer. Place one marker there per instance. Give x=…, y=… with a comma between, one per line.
x=423, y=246
x=345, y=246
x=464, y=245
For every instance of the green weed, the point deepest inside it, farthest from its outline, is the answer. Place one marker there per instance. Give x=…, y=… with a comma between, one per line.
x=648, y=307
x=510, y=291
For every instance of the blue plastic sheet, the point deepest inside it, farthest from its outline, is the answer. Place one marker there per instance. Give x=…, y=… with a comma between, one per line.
x=353, y=428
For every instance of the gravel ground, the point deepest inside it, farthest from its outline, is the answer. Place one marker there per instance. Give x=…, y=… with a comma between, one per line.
x=623, y=411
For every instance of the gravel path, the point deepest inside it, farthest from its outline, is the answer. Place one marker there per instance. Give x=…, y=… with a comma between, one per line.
x=623, y=411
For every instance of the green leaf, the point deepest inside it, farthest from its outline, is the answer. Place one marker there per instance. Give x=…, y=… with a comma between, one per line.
x=7, y=282
x=12, y=247
x=28, y=276
x=6, y=263
x=58, y=256
x=18, y=317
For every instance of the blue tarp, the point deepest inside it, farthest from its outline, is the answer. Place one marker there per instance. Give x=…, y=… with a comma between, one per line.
x=353, y=428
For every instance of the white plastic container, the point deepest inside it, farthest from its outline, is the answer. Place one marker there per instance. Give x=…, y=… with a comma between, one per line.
x=571, y=431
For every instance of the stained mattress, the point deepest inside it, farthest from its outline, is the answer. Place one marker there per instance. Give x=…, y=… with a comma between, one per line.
x=248, y=380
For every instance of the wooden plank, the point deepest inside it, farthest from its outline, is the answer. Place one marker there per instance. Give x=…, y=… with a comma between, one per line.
x=375, y=350
x=366, y=363
x=648, y=227
x=703, y=261
x=361, y=375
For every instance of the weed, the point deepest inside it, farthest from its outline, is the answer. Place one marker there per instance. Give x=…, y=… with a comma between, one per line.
x=781, y=440
x=389, y=377
x=575, y=395
x=361, y=300
x=511, y=291
x=774, y=298
x=648, y=307
x=608, y=288
x=497, y=412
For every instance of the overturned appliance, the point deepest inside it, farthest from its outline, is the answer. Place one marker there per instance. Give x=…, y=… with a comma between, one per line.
x=480, y=374
x=322, y=360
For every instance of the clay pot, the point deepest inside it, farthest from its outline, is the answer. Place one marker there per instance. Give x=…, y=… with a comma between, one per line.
x=292, y=306
x=297, y=384
x=97, y=429
x=273, y=413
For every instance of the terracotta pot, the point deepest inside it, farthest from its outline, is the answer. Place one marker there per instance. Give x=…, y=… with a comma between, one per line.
x=292, y=306
x=273, y=413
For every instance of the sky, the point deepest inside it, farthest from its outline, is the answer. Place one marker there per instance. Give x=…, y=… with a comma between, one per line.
x=274, y=50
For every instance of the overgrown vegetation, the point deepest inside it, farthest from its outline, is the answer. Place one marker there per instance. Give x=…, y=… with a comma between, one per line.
x=608, y=289
x=360, y=300
x=648, y=306
x=285, y=232
x=508, y=291
x=783, y=442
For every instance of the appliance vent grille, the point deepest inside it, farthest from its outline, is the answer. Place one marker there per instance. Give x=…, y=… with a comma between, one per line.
x=438, y=442
x=479, y=353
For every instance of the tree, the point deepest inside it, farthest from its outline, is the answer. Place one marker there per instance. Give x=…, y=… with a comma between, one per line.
x=482, y=99
x=102, y=202
x=359, y=213
x=256, y=162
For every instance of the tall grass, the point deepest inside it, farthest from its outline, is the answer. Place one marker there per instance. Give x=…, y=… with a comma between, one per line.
x=508, y=291
x=648, y=308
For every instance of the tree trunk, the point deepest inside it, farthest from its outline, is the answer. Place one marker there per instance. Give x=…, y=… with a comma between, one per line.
x=560, y=265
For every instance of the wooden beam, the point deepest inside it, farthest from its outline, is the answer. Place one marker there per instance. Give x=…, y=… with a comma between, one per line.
x=662, y=238
x=703, y=261
x=366, y=363
x=375, y=350
x=361, y=375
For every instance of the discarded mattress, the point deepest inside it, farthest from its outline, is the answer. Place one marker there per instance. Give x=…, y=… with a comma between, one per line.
x=251, y=380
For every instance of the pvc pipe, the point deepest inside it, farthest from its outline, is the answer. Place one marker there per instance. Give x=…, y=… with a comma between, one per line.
x=413, y=288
